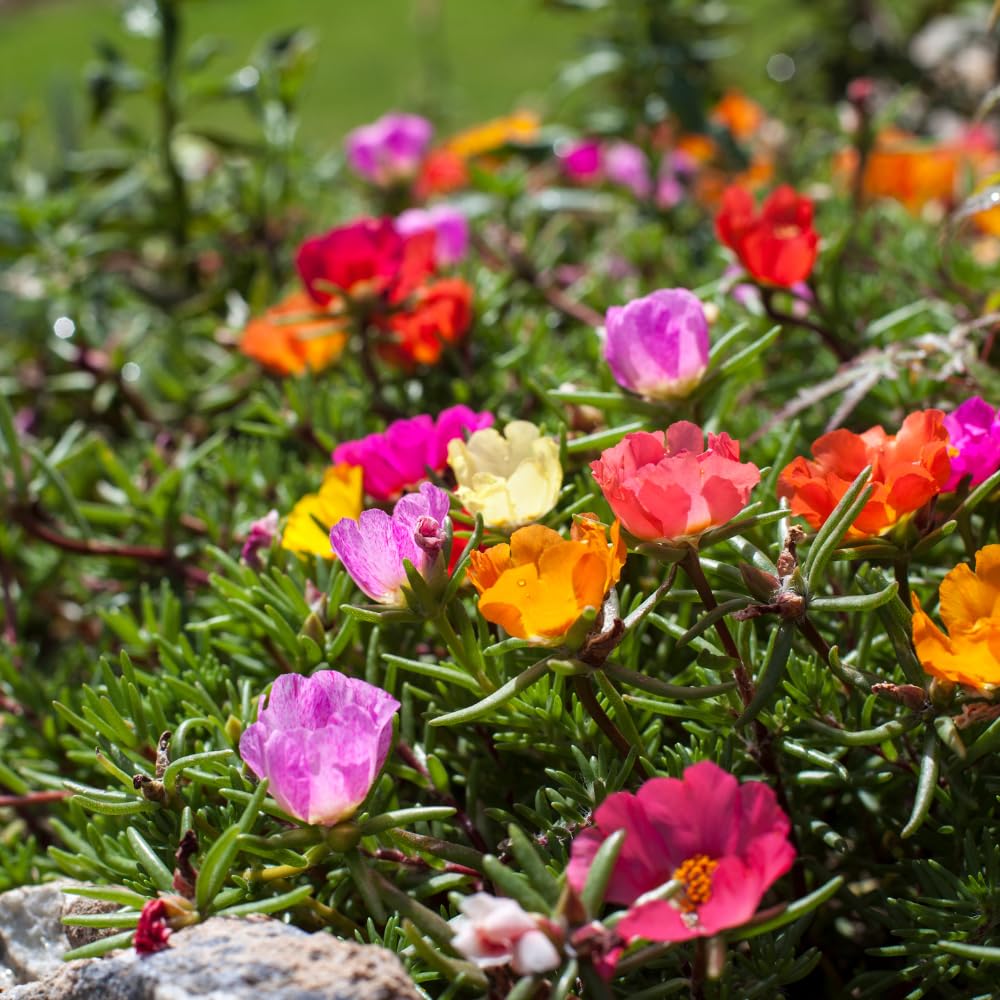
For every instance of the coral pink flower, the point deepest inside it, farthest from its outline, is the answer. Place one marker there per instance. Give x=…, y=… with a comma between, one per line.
x=494, y=931
x=321, y=742
x=399, y=457
x=725, y=842
x=667, y=487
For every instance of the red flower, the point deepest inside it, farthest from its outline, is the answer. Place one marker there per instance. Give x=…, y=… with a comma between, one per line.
x=367, y=258
x=153, y=930
x=777, y=245
x=725, y=842
x=441, y=314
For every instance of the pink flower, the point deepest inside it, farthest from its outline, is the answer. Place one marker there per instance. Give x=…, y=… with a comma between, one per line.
x=626, y=164
x=321, y=742
x=493, y=931
x=449, y=226
x=399, y=457
x=581, y=159
x=152, y=931
x=726, y=843
x=657, y=346
x=261, y=535
x=974, y=430
x=664, y=487
x=375, y=547
x=390, y=149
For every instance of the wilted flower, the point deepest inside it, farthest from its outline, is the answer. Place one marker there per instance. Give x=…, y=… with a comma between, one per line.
x=667, y=487
x=908, y=469
x=970, y=610
x=974, y=433
x=726, y=843
x=374, y=547
x=320, y=742
x=449, y=224
x=290, y=338
x=390, y=149
x=657, y=346
x=511, y=479
x=338, y=497
x=153, y=930
x=540, y=584
x=261, y=535
x=778, y=244
x=493, y=931
x=399, y=457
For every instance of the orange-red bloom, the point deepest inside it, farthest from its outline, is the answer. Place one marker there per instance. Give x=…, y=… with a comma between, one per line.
x=441, y=314
x=908, y=469
x=778, y=244
x=970, y=609
x=739, y=114
x=290, y=337
x=539, y=585
x=441, y=173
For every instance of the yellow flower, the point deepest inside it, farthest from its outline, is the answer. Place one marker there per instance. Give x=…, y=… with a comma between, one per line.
x=522, y=126
x=970, y=609
x=339, y=496
x=539, y=585
x=510, y=480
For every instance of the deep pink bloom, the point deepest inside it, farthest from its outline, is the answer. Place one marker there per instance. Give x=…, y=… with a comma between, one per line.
x=726, y=842
x=152, y=931
x=261, y=535
x=374, y=547
x=495, y=931
x=657, y=346
x=626, y=164
x=665, y=487
x=974, y=429
x=399, y=457
x=390, y=149
x=448, y=224
x=321, y=742
x=581, y=159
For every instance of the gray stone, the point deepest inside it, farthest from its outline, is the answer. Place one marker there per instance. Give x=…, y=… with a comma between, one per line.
x=230, y=959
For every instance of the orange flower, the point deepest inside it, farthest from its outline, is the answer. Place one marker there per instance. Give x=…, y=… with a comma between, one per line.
x=441, y=173
x=970, y=609
x=292, y=337
x=521, y=126
x=908, y=469
x=738, y=114
x=441, y=315
x=539, y=585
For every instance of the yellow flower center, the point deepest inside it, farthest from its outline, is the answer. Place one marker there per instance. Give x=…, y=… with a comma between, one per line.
x=696, y=874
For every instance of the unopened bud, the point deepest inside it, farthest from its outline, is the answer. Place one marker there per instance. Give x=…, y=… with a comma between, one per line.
x=429, y=535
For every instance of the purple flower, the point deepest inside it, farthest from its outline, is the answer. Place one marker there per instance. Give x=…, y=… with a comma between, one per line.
x=390, y=149
x=374, y=547
x=261, y=535
x=581, y=160
x=450, y=226
x=974, y=429
x=400, y=456
x=657, y=346
x=320, y=742
x=626, y=164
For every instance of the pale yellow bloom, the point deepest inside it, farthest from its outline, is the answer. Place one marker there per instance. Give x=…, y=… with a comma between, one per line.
x=338, y=497
x=513, y=479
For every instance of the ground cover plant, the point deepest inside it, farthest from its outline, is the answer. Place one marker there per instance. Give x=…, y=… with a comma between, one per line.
x=563, y=551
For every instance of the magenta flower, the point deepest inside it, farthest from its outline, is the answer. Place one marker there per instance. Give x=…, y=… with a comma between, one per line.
x=494, y=931
x=390, y=149
x=657, y=346
x=726, y=843
x=626, y=164
x=374, y=547
x=449, y=225
x=261, y=535
x=399, y=457
x=320, y=742
x=974, y=430
x=581, y=160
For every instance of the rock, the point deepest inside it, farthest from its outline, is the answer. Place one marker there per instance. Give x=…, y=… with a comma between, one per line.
x=231, y=959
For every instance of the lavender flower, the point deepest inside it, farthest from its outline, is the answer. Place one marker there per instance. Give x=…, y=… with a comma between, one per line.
x=374, y=547
x=448, y=224
x=657, y=346
x=321, y=742
x=389, y=149
x=974, y=430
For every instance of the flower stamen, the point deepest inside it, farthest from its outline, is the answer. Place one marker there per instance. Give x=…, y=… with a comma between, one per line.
x=696, y=874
